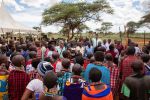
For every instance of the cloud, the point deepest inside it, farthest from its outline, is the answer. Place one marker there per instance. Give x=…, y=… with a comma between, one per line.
x=39, y=3
x=26, y=17
x=14, y=4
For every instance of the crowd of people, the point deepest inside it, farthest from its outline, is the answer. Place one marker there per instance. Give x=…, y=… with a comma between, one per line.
x=81, y=69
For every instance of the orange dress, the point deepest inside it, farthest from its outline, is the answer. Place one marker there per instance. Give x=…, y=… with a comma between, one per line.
x=90, y=93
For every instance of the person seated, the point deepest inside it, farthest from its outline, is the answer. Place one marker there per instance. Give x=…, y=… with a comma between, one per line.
x=35, y=86
x=50, y=87
x=64, y=75
x=96, y=90
x=136, y=86
x=74, y=87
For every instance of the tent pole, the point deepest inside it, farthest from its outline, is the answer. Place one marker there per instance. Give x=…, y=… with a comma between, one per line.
x=2, y=31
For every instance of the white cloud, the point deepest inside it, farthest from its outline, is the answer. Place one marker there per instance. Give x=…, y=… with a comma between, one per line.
x=52, y=28
x=14, y=4
x=39, y=3
x=25, y=17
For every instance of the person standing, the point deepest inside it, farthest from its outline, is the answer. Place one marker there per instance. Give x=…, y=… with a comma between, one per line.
x=126, y=69
x=96, y=90
x=18, y=79
x=61, y=48
x=114, y=74
x=146, y=59
x=3, y=77
x=99, y=59
x=96, y=40
x=136, y=86
x=35, y=86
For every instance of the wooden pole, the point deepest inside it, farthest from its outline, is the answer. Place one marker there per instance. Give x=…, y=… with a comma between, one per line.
x=120, y=35
x=144, y=37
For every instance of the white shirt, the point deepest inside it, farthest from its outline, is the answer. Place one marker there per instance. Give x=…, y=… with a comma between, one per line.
x=81, y=49
x=35, y=85
x=107, y=46
x=117, y=53
x=104, y=45
x=59, y=66
x=137, y=50
x=96, y=41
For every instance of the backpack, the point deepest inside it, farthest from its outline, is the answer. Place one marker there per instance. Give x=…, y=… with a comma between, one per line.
x=62, y=81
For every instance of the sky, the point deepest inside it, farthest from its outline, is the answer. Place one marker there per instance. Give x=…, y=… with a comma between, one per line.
x=29, y=12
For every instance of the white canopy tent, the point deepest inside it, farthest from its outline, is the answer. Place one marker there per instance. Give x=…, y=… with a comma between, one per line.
x=8, y=24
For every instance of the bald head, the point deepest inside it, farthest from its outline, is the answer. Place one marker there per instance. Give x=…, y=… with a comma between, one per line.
x=77, y=69
x=18, y=60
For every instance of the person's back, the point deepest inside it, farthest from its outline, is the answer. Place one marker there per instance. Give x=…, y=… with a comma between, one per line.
x=126, y=69
x=99, y=57
x=114, y=74
x=3, y=78
x=96, y=90
x=90, y=93
x=18, y=79
x=35, y=86
x=136, y=86
x=74, y=87
x=17, y=82
x=50, y=88
x=105, y=73
x=64, y=75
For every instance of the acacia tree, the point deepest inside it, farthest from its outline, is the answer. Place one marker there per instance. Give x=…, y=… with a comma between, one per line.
x=72, y=15
x=145, y=20
x=106, y=26
x=132, y=27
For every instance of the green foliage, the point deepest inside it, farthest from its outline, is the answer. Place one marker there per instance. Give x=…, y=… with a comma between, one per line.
x=132, y=27
x=73, y=15
x=146, y=18
x=105, y=27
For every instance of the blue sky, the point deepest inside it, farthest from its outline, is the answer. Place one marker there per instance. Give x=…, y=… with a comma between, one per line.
x=29, y=12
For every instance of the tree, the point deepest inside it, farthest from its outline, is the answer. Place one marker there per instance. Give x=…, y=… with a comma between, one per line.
x=37, y=28
x=106, y=26
x=132, y=27
x=72, y=15
x=145, y=20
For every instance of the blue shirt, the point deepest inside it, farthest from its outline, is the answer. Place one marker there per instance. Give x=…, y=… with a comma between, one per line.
x=105, y=73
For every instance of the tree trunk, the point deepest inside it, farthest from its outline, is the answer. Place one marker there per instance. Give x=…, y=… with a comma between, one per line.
x=72, y=34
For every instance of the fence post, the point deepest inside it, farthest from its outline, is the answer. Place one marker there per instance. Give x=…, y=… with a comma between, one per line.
x=144, y=37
